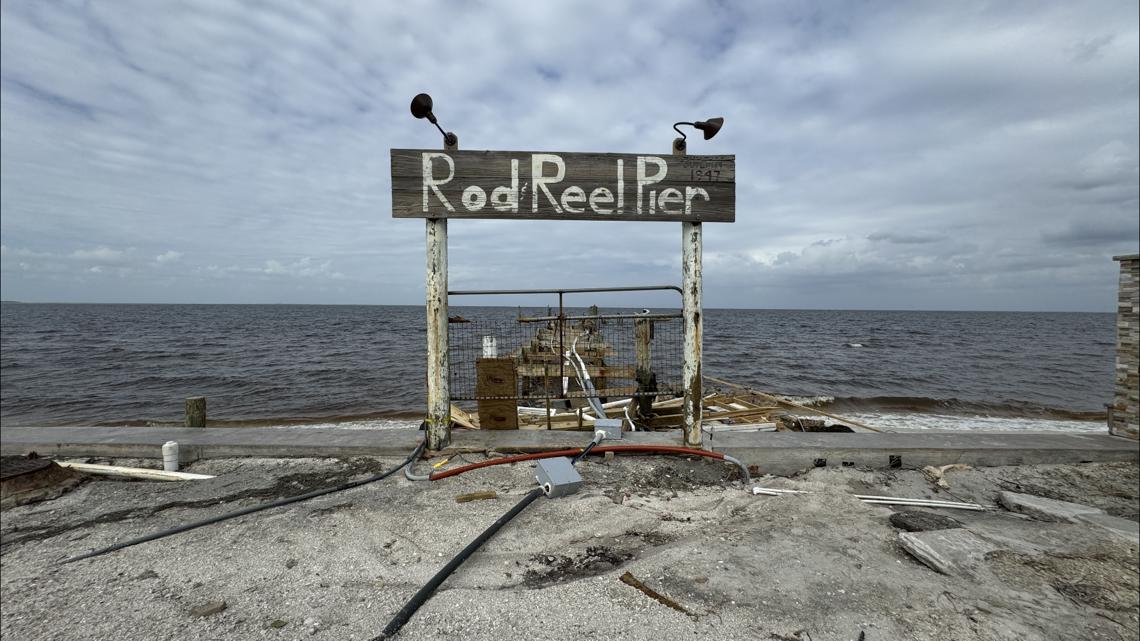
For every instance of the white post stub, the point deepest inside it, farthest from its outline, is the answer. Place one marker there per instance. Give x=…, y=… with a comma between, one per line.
x=490, y=347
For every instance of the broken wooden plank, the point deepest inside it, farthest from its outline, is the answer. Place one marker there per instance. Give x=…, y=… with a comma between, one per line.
x=134, y=472
x=631, y=580
x=551, y=370
x=463, y=419
x=787, y=403
x=476, y=496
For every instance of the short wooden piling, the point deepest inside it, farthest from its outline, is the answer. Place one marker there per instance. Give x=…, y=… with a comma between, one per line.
x=646, y=379
x=196, y=411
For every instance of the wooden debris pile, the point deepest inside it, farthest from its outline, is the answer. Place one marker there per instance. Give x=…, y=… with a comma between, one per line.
x=747, y=411
x=541, y=369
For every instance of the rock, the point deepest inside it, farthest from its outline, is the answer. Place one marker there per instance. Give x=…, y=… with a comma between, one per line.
x=955, y=552
x=290, y=564
x=31, y=479
x=793, y=423
x=1123, y=529
x=148, y=574
x=916, y=521
x=208, y=609
x=1044, y=509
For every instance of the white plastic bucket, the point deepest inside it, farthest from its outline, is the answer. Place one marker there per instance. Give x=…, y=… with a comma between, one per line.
x=170, y=456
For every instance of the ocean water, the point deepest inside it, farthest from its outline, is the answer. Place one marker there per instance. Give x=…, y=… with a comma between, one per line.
x=363, y=366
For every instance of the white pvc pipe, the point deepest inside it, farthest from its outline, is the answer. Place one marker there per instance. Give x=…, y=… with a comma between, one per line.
x=868, y=497
x=584, y=377
x=170, y=456
x=881, y=500
x=947, y=506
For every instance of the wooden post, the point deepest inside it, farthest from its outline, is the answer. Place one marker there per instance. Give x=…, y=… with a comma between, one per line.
x=691, y=310
x=646, y=379
x=196, y=411
x=438, y=367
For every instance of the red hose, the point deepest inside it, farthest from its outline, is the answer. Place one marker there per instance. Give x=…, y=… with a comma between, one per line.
x=638, y=449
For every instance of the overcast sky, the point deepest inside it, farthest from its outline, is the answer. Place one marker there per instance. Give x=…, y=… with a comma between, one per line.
x=943, y=155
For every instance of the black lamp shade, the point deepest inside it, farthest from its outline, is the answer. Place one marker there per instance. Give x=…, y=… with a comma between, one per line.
x=421, y=107
x=710, y=126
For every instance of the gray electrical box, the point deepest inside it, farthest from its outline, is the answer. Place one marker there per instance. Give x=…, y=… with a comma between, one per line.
x=558, y=477
x=611, y=426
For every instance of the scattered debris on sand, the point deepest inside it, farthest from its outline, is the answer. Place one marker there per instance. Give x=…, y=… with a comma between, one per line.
x=821, y=565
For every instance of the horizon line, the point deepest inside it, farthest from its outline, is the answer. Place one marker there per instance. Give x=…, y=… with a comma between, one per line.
x=770, y=309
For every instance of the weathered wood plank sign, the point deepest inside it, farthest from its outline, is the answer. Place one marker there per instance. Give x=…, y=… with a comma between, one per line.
x=562, y=186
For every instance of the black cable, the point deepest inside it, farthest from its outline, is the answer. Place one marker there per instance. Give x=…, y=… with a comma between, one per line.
x=583, y=453
x=421, y=597
x=250, y=510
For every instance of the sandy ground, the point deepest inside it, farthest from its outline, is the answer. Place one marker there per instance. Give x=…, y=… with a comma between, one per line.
x=817, y=567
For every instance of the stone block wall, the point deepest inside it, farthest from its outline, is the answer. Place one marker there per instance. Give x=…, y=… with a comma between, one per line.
x=1124, y=413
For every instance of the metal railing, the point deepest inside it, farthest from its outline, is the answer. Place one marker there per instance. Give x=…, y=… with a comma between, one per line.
x=628, y=354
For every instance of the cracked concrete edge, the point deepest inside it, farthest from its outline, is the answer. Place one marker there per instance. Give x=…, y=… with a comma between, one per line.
x=953, y=552
x=1045, y=509
x=1120, y=528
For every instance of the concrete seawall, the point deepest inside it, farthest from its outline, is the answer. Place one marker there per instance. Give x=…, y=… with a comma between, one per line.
x=776, y=453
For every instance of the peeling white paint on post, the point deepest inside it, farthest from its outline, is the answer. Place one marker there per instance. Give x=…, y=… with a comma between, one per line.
x=691, y=310
x=438, y=367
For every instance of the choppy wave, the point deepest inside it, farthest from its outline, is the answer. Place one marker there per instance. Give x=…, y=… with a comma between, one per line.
x=371, y=420
x=907, y=422
x=364, y=365
x=957, y=407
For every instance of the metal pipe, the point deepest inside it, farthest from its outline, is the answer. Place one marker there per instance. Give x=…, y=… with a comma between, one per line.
x=625, y=392
x=571, y=290
x=561, y=344
x=539, y=319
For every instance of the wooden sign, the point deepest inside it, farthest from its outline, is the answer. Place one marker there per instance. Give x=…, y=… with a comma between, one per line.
x=562, y=186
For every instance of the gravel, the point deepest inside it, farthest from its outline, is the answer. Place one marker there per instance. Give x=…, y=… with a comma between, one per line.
x=824, y=565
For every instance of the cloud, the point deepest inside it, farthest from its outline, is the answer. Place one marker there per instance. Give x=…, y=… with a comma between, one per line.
x=98, y=254
x=1092, y=233
x=303, y=268
x=902, y=239
x=230, y=153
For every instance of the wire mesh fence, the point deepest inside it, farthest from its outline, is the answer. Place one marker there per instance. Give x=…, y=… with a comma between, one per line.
x=526, y=358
